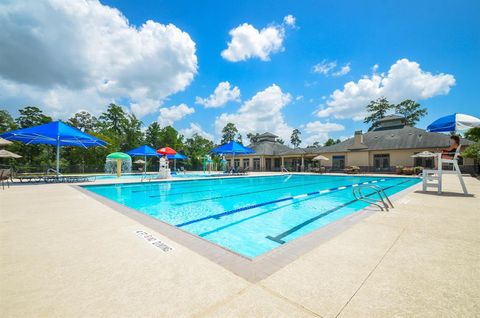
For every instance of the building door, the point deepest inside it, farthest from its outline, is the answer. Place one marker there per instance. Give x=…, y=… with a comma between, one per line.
x=338, y=162
x=381, y=162
x=268, y=164
x=246, y=163
x=276, y=163
x=256, y=164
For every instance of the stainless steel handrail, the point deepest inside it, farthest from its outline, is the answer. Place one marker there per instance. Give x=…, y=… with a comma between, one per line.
x=359, y=195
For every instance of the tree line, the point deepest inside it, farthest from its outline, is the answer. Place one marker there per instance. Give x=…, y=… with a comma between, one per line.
x=120, y=129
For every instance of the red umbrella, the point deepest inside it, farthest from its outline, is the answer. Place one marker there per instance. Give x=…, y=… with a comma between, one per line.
x=166, y=151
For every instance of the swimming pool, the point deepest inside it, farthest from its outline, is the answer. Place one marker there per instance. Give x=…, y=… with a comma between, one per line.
x=249, y=215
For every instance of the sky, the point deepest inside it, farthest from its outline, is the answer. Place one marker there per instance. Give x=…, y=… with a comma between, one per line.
x=263, y=65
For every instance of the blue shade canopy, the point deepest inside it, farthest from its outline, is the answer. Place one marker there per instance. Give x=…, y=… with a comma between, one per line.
x=454, y=122
x=55, y=133
x=177, y=156
x=233, y=148
x=144, y=150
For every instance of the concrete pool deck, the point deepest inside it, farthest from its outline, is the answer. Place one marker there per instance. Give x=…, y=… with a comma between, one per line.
x=64, y=254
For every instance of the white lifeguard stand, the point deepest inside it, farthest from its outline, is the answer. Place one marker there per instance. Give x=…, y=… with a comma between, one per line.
x=433, y=177
x=163, y=170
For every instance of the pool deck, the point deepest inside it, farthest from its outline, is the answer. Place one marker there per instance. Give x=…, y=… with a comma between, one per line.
x=65, y=254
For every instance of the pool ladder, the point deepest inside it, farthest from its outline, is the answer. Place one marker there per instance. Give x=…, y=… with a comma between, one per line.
x=383, y=201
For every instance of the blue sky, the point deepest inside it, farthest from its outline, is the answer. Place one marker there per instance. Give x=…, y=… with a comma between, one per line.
x=441, y=37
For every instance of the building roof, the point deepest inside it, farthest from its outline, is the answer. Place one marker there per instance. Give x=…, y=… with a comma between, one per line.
x=267, y=134
x=390, y=117
x=268, y=148
x=406, y=137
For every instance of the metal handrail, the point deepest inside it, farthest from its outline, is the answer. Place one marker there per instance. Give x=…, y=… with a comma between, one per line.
x=359, y=195
x=285, y=170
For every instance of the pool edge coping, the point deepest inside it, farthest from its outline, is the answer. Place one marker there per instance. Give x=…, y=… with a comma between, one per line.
x=251, y=269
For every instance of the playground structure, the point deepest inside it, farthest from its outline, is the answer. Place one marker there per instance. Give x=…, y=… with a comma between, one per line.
x=118, y=163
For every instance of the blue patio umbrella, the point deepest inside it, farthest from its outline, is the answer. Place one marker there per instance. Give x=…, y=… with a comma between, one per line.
x=233, y=148
x=454, y=122
x=176, y=156
x=144, y=151
x=55, y=133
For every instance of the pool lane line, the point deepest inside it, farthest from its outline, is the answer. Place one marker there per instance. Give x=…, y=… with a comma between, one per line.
x=279, y=237
x=197, y=181
x=249, y=185
x=215, y=182
x=251, y=192
x=249, y=207
x=263, y=213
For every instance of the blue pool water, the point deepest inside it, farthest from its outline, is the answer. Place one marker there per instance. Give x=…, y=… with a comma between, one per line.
x=251, y=215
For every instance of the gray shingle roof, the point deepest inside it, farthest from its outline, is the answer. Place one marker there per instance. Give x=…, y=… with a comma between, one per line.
x=268, y=148
x=403, y=138
x=267, y=134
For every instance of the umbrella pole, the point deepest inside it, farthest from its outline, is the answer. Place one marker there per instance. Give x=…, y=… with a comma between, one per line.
x=58, y=157
x=145, y=165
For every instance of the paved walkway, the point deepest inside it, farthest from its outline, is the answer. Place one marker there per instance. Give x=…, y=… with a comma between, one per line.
x=63, y=254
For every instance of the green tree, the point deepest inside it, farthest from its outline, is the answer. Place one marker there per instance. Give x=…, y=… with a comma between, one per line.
x=133, y=136
x=6, y=121
x=196, y=147
x=153, y=135
x=239, y=139
x=473, y=134
x=331, y=142
x=411, y=110
x=169, y=137
x=280, y=141
x=253, y=137
x=295, y=138
x=229, y=132
x=114, y=119
x=37, y=157
x=472, y=151
x=84, y=121
x=32, y=116
x=376, y=111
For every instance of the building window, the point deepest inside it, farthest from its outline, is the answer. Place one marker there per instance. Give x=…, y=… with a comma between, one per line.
x=338, y=162
x=246, y=163
x=381, y=162
x=276, y=163
x=256, y=164
x=237, y=163
x=427, y=162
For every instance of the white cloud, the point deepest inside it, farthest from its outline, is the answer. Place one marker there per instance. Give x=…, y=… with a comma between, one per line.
x=261, y=113
x=289, y=20
x=343, y=71
x=169, y=115
x=247, y=42
x=318, y=131
x=324, y=67
x=195, y=129
x=70, y=55
x=404, y=80
x=222, y=94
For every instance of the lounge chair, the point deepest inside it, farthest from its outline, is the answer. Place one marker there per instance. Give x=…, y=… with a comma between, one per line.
x=5, y=176
x=352, y=170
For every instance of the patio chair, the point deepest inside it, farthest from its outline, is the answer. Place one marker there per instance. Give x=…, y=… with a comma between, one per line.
x=5, y=176
x=351, y=170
